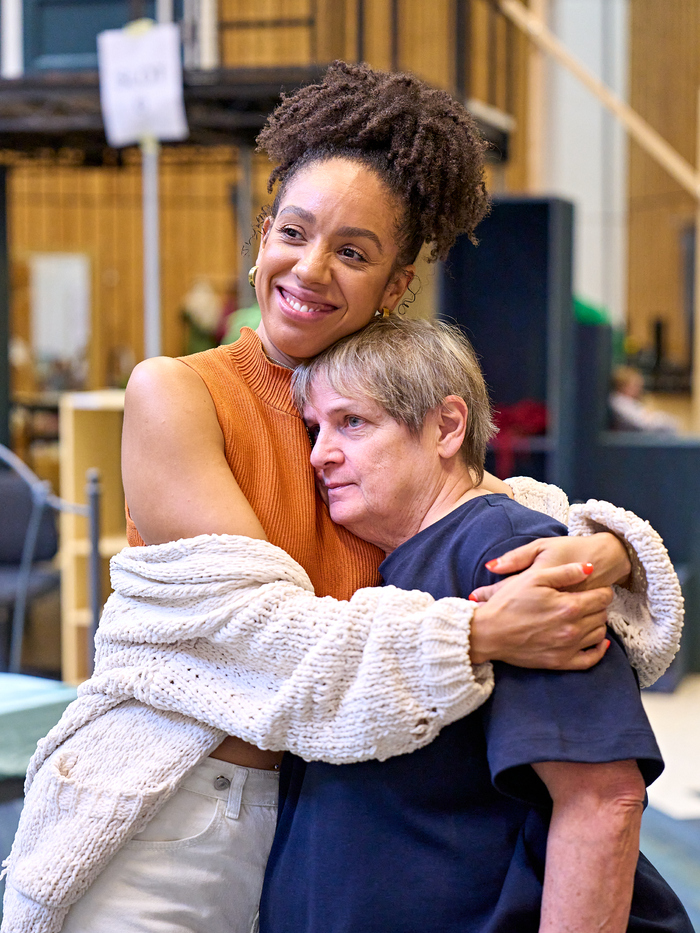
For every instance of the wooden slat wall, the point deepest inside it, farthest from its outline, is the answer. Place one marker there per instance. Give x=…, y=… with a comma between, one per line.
x=664, y=79
x=97, y=211
x=67, y=207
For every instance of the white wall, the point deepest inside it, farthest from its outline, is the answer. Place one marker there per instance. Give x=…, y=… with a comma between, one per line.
x=586, y=150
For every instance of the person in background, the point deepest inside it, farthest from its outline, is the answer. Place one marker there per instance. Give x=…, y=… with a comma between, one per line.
x=627, y=410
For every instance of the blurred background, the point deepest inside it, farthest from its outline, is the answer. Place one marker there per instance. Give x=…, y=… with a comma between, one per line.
x=586, y=272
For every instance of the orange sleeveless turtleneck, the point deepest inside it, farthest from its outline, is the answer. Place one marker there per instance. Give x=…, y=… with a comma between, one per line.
x=267, y=449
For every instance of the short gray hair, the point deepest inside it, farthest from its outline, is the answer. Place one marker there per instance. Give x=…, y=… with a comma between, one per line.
x=409, y=368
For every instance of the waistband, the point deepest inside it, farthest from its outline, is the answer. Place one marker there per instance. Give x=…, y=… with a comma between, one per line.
x=239, y=786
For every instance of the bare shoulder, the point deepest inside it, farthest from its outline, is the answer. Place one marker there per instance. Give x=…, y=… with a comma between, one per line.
x=176, y=477
x=166, y=383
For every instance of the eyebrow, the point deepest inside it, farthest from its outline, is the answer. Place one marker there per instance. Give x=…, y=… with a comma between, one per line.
x=351, y=232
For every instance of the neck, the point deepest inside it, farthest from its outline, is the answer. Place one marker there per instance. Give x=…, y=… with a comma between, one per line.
x=272, y=353
x=456, y=489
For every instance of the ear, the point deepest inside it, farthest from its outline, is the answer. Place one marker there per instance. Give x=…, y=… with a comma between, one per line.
x=264, y=233
x=452, y=418
x=397, y=286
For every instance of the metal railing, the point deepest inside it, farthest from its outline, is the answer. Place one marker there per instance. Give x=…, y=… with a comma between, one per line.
x=42, y=498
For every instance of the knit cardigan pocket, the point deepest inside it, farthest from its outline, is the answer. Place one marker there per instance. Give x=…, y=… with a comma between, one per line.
x=92, y=794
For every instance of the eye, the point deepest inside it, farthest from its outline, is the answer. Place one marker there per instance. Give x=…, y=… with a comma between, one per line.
x=292, y=233
x=349, y=252
x=354, y=421
x=312, y=430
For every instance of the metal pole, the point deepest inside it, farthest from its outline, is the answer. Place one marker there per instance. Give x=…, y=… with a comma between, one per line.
x=4, y=313
x=39, y=494
x=395, y=35
x=244, y=210
x=208, y=35
x=695, y=349
x=360, y=26
x=93, y=492
x=164, y=11
x=11, y=39
x=151, y=247
x=462, y=51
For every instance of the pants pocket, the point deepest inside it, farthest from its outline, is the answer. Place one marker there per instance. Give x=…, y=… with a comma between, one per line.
x=186, y=817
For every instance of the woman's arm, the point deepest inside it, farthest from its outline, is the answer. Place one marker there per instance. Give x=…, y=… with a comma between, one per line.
x=592, y=846
x=179, y=485
x=176, y=478
x=647, y=612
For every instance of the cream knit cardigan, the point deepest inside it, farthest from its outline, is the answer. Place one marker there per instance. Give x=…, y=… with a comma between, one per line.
x=221, y=635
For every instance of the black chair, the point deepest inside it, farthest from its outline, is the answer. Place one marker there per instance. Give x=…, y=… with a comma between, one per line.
x=28, y=541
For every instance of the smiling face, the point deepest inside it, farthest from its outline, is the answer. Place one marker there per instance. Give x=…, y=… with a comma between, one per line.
x=382, y=482
x=327, y=261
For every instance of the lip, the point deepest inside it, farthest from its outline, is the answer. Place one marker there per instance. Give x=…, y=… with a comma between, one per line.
x=323, y=308
x=335, y=487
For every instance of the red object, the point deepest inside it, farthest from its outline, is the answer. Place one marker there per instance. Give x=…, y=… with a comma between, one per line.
x=523, y=419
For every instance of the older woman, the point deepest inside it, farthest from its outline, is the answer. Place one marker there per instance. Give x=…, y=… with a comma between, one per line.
x=524, y=815
x=371, y=166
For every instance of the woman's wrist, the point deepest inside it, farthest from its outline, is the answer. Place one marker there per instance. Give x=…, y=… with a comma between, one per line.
x=617, y=559
x=481, y=645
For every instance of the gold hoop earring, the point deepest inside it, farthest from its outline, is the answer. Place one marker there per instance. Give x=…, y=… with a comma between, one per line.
x=251, y=276
x=386, y=312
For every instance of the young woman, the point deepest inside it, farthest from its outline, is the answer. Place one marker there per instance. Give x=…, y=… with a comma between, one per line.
x=371, y=167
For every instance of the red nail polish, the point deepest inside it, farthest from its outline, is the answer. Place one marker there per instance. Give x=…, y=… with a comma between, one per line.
x=607, y=644
x=587, y=569
x=473, y=598
x=491, y=564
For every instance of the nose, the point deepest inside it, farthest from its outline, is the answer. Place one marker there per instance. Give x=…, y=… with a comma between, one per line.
x=312, y=267
x=325, y=451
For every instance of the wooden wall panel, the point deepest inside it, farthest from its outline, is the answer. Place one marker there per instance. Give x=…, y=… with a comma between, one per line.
x=258, y=45
x=97, y=211
x=664, y=80
x=426, y=45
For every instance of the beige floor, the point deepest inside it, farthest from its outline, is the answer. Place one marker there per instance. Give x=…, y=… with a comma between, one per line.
x=675, y=718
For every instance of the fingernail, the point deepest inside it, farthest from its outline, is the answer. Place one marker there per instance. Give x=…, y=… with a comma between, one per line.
x=607, y=645
x=491, y=564
x=587, y=569
x=473, y=598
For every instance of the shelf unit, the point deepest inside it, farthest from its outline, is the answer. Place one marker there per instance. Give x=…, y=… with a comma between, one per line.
x=90, y=428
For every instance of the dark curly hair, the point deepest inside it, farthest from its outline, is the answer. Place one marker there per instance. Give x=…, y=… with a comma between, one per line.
x=419, y=140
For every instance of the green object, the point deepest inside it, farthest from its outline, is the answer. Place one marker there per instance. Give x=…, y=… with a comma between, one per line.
x=243, y=317
x=587, y=313
x=29, y=707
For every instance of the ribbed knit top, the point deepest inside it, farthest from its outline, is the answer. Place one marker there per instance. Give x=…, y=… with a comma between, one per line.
x=267, y=449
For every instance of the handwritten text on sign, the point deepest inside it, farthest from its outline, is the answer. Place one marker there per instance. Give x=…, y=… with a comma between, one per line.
x=141, y=84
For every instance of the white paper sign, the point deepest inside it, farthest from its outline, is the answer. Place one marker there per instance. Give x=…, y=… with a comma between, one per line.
x=141, y=84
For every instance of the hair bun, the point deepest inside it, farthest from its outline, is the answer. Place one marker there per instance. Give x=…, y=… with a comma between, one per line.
x=427, y=140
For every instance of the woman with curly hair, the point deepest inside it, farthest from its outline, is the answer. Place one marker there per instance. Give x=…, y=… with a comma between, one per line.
x=151, y=806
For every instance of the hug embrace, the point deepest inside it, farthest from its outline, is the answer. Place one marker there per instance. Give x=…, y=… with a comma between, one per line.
x=465, y=757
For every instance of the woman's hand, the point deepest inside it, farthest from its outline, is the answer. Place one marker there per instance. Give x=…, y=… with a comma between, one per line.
x=604, y=551
x=530, y=621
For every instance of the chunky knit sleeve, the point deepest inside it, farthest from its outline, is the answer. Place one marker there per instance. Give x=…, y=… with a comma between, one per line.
x=648, y=615
x=227, y=630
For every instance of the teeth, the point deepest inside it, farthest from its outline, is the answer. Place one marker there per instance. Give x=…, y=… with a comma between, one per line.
x=297, y=305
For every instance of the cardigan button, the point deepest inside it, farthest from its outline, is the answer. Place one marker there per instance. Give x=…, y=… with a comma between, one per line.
x=221, y=783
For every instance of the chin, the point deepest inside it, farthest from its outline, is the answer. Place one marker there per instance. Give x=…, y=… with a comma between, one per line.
x=345, y=517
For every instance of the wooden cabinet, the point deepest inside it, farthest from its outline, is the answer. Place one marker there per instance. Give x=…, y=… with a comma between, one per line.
x=90, y=427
